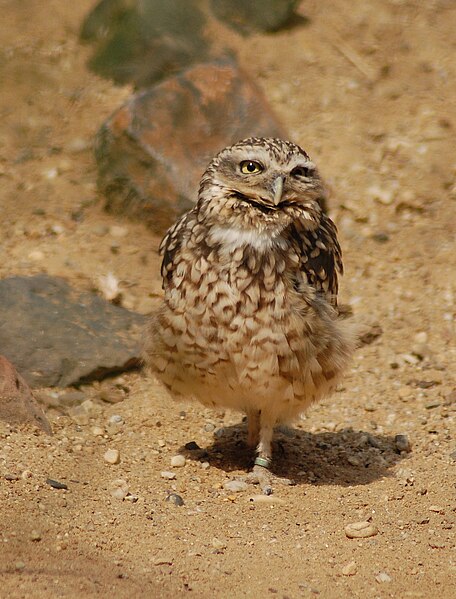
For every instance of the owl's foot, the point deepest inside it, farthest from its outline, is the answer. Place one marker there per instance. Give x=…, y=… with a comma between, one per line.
x=262, y=476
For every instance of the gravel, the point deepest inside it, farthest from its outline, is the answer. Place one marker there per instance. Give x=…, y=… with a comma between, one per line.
x=168, y=475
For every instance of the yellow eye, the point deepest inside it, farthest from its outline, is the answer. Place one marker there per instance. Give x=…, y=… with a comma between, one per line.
x=250, y=167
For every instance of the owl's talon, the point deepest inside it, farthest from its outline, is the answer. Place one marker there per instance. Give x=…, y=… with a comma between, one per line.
x=265, y=478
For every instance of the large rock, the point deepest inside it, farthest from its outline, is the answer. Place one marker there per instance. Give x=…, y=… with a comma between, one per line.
x=152, y=152
x=261, y=15
x=143, y=41
x=57, y=336
x=17, y=403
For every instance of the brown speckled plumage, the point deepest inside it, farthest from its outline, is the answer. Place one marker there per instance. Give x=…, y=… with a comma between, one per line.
x=249, y=318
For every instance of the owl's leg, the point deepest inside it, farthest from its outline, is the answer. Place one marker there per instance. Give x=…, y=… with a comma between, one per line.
x=253, y=432
x=261, y=474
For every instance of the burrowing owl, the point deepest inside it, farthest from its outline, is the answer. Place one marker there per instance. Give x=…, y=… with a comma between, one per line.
x=249, y=318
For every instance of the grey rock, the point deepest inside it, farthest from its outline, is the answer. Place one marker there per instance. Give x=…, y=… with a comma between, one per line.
x=175, y=499
x=57, y=336
x=260, y=15
x=17, y=402
x=143, y=41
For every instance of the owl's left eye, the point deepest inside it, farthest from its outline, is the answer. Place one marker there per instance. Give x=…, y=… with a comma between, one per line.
x=250, y=167
x=301, y=171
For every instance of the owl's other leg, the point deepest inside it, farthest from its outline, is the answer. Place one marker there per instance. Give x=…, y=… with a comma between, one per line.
x=253, y=431
x=261, y=474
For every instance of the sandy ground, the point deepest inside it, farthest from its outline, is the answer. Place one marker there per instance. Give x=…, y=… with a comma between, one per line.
x=369, y=92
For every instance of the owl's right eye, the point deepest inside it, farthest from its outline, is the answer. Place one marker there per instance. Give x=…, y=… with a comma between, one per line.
x=250, y=167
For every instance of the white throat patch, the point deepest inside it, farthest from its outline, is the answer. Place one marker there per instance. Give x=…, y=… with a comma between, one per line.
x=232, y=238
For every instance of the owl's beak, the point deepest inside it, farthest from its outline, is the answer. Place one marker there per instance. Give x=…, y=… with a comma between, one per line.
x=277, y=188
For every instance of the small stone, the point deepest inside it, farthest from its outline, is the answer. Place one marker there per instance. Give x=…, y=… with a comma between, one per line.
x=205, y=465
x=383, y=577
x=118, y=231
x=115, y=419
x=218, y=544
x=175, y=499
x=161, y=561
x=421, y=337
x=11, y=477
x=402, y=443
x=26, y=474
x=209, y=427
x=19, y=565
x=404, y=392
x=453, y=456
x=178, y=461
x=161, y=443
x=235, y=486
x=131, y=498
x=97, y=431
x=112, y=456
x=349, y=569
x=192, y=446
x=168, y=475
x=119, y=488
x=35, y=535
x=36, y=255
x=267, y=499
x=55, y=484
x=384, y=196
x=360, y=530
x=437, y=509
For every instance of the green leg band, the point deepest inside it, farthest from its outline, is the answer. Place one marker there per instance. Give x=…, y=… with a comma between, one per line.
x=265, y=462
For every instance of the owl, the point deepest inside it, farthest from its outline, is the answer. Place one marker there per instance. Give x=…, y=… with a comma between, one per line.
x=249, y=319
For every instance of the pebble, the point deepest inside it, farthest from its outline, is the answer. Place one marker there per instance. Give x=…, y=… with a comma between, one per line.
x=168, y=475
x=36, y=255
x=235, y=486
x=35, y=535
x=192, y=446
x=19, y=566
x=205, y=465
x=267, y=499
x=11, y=477
x=118, y=231
x=402, y=443
x=349, y=569
x=360, y=530
x=161, y=561
x=55, y=484
x=384, y=196
x=119, y=488
x=161, y=443
x=218, y=544
x=112, y=456
x=383, y=577
x=209, y=428
x=177, y=461
x=175, y=499
x=437, y=509
x=97, y=431
x=116, y=419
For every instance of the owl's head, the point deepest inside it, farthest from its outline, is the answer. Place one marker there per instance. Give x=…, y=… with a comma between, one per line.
x=261, y=182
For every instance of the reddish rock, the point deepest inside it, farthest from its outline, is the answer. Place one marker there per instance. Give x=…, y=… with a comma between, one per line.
x=17, y=403
x=152, y=152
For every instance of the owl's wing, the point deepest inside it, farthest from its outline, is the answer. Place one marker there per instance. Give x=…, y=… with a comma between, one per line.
x=171, y=245
x=320, y=256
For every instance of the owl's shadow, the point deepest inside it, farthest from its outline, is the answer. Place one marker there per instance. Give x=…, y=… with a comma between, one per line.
x=345, y=457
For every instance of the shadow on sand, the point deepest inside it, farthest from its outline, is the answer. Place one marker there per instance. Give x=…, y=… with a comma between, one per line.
x=345, y=458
